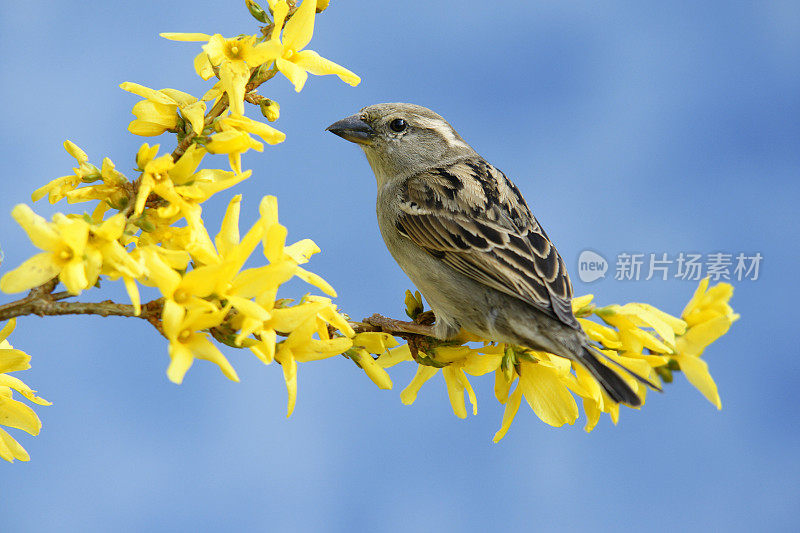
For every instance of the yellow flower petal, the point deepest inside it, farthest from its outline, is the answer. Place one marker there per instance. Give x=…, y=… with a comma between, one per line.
x=185, y=36
x=22, y=388
x=699, y=336
x=7, y=330
x=315, y=280
x=580, y=302
x=696, y=371
x=374, y=341
x=315, y=64
x=231, y=141
x=289, y=366
x=298, y=31
x=424, y=373
x=470, y=391
x=32, y=273
x=696, y=297
x=455, y=390
x=602, y=334
x=593, y=413
x=181, y=361
x=234, y=79
x=10, y=449
x=478, y=364
x=301, y=251
x=269, y=134
x=279, y=10
x=394, y=356
x=203, y=66
x=133, y=293
x=171, y=317
x=202, y=348
x=73, y=150
x=213, y=93
x=374, y=371
x=316, y=350
x=265, y=349
x=296, y=74
x=147, y=93
x=17, y=415
x=648, y=317
x=502, y=386
x=145, y=154
x=153, y=119
x=547, y=396
x=678, y=326
x=228, y=235
x=179, y=97
x=41, y=233
x=263, y=52
x=512, y=406
x=184, y=168
x=12, y=360
x=73, y=231
x=73, y=276
x=195, y=114
x=249, y=308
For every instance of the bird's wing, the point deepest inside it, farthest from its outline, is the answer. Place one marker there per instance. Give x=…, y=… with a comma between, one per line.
x=471, y=217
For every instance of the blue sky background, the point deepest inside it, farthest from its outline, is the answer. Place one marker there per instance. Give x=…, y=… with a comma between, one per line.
x=645, y=127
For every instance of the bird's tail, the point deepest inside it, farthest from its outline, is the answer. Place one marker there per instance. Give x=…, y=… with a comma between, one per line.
x=611, y=381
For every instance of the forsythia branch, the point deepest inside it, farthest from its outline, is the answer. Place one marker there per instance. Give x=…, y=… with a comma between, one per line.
x=395, y=327
x=41, y=301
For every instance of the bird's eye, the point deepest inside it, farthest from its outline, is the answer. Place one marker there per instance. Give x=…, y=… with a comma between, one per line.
x=398, y=125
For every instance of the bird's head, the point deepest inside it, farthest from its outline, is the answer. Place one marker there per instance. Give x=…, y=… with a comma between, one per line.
x=402, y=139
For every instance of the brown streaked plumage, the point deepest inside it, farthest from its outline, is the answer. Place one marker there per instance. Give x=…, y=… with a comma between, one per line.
x=474, y=219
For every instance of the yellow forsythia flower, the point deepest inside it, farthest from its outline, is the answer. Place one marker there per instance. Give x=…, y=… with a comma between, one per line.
x=59, y=187
x=66, y=254
x=109, y=190
x=234, y=58
x=14, y=413
x=234, y=138
x=158, y=112
x=708, y=316
x=187, y=340
x=288, y=54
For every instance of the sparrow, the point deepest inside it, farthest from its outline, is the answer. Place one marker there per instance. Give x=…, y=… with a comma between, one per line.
x=464, y=235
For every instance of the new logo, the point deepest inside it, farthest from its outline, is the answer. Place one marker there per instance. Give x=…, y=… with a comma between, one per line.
x=591, y=266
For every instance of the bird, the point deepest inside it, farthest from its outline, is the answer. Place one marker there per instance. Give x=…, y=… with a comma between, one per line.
x=464, y=235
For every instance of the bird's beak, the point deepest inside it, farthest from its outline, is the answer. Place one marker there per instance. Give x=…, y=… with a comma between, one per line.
x=353, y=129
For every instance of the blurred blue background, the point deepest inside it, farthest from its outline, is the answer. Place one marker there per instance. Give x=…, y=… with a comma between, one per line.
x=636, y=127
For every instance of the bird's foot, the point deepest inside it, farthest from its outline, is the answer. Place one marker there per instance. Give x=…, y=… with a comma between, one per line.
x=419, y=335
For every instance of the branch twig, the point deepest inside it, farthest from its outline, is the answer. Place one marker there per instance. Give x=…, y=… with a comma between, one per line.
x=41, y=301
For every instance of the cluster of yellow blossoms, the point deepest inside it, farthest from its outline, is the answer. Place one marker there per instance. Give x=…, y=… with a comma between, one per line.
x=637, y=336
x=149, y=232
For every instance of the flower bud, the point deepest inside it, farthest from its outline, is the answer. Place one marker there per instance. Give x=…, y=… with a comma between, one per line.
x=413, y=304
x=322, y=5
x=257, y=11
x=270, y=109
